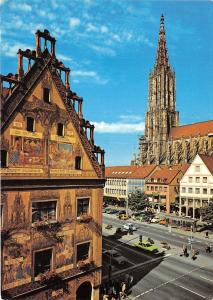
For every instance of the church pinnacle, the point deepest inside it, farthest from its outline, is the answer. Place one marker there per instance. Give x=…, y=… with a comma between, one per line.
x=162, y=56
x=161, y=115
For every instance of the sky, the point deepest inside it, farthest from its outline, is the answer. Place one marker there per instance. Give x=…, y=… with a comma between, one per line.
x=110, y=47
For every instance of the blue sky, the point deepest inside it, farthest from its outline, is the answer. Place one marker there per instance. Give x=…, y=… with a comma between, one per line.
x=110, y=47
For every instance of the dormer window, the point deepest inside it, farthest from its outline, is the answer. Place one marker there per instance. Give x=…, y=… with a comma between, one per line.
x=46, y=95
x=3, y=159
x=60, y=129
x=30, y=124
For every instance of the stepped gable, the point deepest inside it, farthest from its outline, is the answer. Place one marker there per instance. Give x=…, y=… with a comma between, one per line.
x=191, y=130
x=22, y=84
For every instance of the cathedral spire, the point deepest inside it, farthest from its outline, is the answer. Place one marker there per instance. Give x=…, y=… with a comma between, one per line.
x=162, y=56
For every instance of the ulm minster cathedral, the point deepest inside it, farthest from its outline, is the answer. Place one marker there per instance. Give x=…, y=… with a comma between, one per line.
x=164, y=141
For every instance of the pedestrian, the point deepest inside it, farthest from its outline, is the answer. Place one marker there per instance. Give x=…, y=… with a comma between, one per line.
x=185, y=250
x=208, y=249
x=193, y=254
x=207, y=234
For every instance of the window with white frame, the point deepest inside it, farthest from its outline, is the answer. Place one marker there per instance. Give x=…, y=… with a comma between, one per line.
x=197, y=168
x=190, y=179
x=197, y=179
x=190, y=190
x=205, y=191
x=183, y=189
x=43, y=211
x=197, y=190
x=204, y=179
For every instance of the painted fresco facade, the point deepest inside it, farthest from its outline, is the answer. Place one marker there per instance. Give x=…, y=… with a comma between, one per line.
x=52, y=184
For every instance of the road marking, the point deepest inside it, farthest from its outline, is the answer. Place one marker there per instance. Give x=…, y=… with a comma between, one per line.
x=171, y=281
x=206, y=278
x=183, y=287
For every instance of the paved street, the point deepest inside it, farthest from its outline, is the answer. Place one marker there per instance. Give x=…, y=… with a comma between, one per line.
x=168, y=276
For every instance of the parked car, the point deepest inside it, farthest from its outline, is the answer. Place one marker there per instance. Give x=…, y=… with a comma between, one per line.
x=108, y=226
x=146, y=246
x=115, y=256
x=155, y=219
x=129, y=226
x=163, y=222
x=121, y=212
x=108, y=210
x=123, y=217
x=113, y=211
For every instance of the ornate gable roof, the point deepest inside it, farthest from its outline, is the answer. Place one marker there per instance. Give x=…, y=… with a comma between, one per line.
x=21, y=85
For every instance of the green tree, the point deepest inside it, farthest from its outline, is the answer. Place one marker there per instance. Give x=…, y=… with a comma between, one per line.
x=207, y=212
x=138, y=201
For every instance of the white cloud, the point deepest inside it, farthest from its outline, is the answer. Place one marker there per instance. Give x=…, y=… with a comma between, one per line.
x=84, y=73
x=2, y=2
x=103, y=50
x=46, y=14
x=12, y=49
x=104, y=29
x=73, y=22
x=104, y=127
x=64, y=57
x=21, y=7
x=145, y=41
x=131, y=118
x=89, y=74
x=91, y=28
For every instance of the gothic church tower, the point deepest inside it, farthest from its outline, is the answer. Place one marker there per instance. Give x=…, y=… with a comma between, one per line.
x=161, y=115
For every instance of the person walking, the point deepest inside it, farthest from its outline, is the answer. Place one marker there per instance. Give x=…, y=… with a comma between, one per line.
x=207, y=234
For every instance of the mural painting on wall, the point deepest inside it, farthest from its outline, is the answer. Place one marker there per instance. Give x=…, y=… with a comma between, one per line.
x=64, y=252
x=18, y=216
x=17, y=263
x=26, y=151
x=61, y=155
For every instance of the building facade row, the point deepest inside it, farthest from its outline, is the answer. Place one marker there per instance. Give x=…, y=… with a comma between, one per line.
x=181, y=189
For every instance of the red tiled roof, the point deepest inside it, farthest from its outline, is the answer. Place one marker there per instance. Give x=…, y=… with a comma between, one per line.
x=180, y=167
x=166, y=175
x=143, y=171
x=191, y=130
x=129, y=171
x=208, y=161
x=119, y=171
